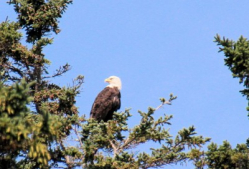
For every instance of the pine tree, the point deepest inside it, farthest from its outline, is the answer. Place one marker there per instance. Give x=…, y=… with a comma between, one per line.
x=224, y=156
x=36, y=116
x=237, y=59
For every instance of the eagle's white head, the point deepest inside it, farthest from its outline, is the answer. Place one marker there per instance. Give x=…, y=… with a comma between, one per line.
x=114, y=81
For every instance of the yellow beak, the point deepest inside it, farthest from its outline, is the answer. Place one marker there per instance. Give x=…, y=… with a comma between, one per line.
x=107, y=80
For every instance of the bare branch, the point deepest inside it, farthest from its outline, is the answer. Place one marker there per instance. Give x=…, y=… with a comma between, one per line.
x=126, y=143
x=6, y=20
x=77, y=134
x=60, y=71
x=163, y=103
x=114, y=148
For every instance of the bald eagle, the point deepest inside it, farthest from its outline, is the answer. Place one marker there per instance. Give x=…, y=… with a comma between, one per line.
x=107, y=101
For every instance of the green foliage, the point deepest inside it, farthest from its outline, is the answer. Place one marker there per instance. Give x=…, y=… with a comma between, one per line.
x=117, y=138
x=23, y=133
x=34, y=138
x=237, y=59
x=8, y=37
x=14, y=122
x=224, y=157
x=40, y=16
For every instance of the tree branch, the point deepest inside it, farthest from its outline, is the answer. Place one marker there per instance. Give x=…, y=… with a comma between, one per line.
x=163, y=103
x=77, y=134
x=60, y=71
x=115, y=149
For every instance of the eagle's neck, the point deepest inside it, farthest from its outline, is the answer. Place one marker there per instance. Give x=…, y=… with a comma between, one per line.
x=112, y=86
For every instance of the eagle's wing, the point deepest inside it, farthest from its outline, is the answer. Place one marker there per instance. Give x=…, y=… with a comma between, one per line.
x=107, y=101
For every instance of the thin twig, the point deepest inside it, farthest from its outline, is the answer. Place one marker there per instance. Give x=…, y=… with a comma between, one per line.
x=76, y=132
x=161, y=105
x=81, y=144
x=59, y=71
x=127, y=141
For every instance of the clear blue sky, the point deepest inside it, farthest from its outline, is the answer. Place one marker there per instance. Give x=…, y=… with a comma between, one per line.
x=156, y=48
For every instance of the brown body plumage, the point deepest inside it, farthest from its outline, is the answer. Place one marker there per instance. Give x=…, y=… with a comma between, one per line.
x=107, y=101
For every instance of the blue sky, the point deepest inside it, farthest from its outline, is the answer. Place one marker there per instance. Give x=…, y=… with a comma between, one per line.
x=156, y=48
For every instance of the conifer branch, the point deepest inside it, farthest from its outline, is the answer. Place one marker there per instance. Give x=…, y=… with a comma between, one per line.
x=59, y=71
x=164, y=101
x=115, y=149
x=161, y=105
x=77, y=134
x=126, y=143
